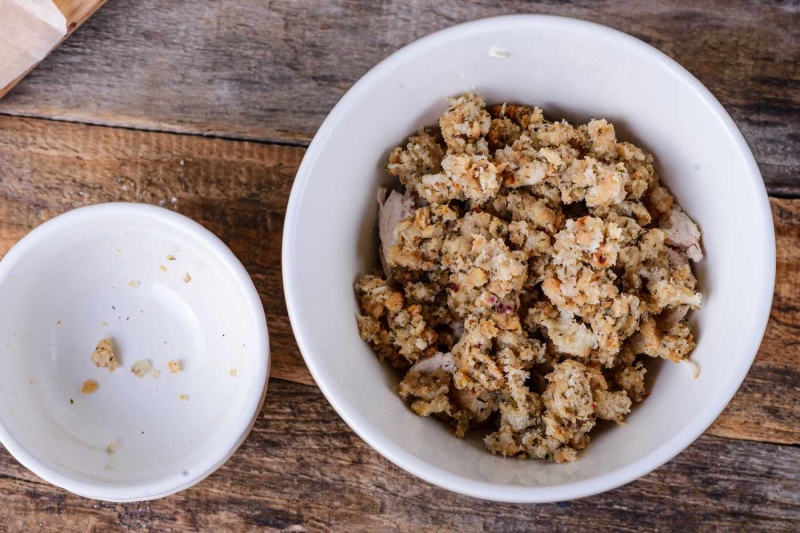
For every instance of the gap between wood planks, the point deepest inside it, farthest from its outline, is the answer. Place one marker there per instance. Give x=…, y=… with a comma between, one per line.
x=148, y=127
x=239, y=190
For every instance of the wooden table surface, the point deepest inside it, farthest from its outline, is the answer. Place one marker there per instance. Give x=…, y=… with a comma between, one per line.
x=213, y=103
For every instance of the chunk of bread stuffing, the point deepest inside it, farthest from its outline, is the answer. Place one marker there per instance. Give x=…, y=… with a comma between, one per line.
x=103, y=356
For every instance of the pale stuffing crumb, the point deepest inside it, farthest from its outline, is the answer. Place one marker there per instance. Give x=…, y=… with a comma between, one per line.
x=112, y=447
x=184, y=397
x=496, y=51
x=171, y=258
x=30, y=381
x=186, y=277
x=232, y=372
x=162, y=268
x=89, y=386
x=693, y=367
x=154, y=373
x=133, y=284
x=174, y=367
x=528, y=267
x=103, y=356
x=142, y=367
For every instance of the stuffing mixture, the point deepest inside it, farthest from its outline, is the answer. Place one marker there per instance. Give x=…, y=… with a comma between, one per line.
x=528, y=267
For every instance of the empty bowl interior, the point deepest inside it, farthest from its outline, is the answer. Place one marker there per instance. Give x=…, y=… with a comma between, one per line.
x=573, y=70
x=161, y=288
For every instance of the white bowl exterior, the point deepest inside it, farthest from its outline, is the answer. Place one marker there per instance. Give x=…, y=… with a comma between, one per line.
x=95, y=273
x=574, y=70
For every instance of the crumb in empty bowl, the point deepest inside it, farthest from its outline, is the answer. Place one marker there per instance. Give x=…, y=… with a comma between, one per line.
x=142, y=367
x=133, y=284
x=89, y=386
x=184, y=397
x=162, y=268
x=186, y=277
x=174, y=366
x=112, y=447
x=103, y=356
x=497, y=52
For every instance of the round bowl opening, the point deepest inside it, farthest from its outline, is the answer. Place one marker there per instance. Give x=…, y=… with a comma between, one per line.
x=574, y=70
x=161, y=288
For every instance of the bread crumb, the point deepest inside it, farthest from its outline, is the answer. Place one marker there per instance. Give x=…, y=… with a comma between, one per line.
x=112, y=447
x=103, y=356
x=89, y=386
x=184, y=397
x=174, y=367
x=162, y=268
x=141, y=367
x=133, y=284
x=58, y=322
x=104, y=323
x=171, y=258
x=233, y=372
x=693, y=367
x=496, y=51
x=186, y=277
x=30, y=381
x=155, y=373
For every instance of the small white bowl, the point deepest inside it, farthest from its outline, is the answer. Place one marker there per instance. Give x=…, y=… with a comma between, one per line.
x=163, y=288
x=575, y=70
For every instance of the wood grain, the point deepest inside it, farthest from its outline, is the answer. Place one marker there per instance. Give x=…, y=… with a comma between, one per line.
x=252, y=69
x=239, y=190
x=302, y=469
x=76, y=12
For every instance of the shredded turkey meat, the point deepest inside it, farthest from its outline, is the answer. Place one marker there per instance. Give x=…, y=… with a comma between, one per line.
x=528, y=268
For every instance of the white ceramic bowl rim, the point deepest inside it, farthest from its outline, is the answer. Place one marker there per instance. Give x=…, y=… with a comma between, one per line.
x=237, y=272
x=431, y=473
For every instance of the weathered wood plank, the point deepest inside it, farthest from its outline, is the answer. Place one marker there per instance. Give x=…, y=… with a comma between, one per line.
x=239, y=190
x=303, y=469
x=273, y=70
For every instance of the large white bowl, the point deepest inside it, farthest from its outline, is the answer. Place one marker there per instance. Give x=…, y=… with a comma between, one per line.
x=119, y=271
x=575, y=70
